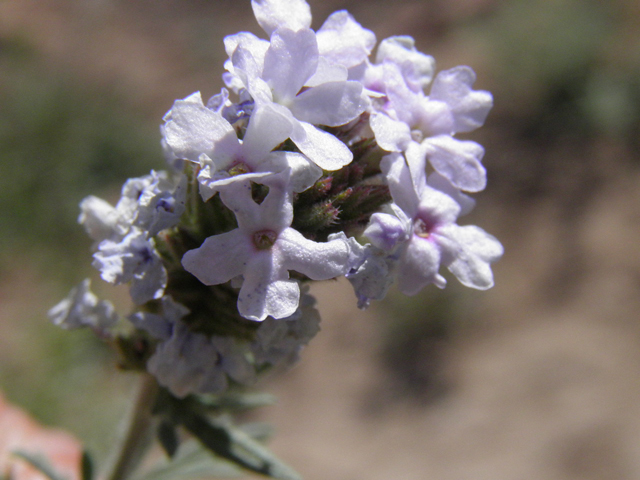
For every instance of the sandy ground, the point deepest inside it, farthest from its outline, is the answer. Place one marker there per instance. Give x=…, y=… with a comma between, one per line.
x=541, y=387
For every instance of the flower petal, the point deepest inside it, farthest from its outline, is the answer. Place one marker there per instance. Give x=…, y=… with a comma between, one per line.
x=272, y=14
x=320, y=147
x=257, y=46
x=458, y=161
x=193, y=129
x=316, y=260
x=267, y=129
x=331, y=104
x=386, y=231
x=418, y=265
x=469, y=107
x=289, y=62
x=99, y=218
x=304, y=173
x=437, y=181
x=327, y=72
x=219, y=258
x=247, y=68
x=400, y=183
x=343, y=41
x=267, y=290
x=417, y=68
x=475, y=250
x=391, y=135
x=437, y=208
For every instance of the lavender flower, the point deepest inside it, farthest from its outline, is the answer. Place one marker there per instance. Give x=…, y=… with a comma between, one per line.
x=278, y=74
x=312, y=148
x=83, y=309
x=424, y=235
x=202, y=135
x=263, y=249
x=188, y=362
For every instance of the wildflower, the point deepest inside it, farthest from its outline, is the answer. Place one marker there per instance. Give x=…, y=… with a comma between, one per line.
x=311, y=147
x=133, y=259
x=151, y=203
x=263, y=249
x=202, y=135
x=82, y=308
x=423, y=234
x=408, y=116
x=189, y=362
x=279, y=342
x=278, y=74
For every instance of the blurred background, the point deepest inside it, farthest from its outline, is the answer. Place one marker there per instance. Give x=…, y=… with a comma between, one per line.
x=536, y=378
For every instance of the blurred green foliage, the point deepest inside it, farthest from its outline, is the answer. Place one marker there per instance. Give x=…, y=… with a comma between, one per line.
x=60, y=140
x=571, y=67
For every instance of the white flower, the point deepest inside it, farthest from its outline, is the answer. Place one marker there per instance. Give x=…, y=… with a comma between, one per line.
x=263, y=249
x=439, y=182
x=408, y=116
x=100, y=219
x=372, y=275
x=303, y=73
x=417, y=68
x=133, y=259
x=273, y=14
x=151, y=203
x=451, y=107
x=202, y=135
x=160, y=325
x=278, y=75
x=279, y=342
x=82, y=308
x=161, y=203
x=343, y=41
x=188, y=362
x=430, y=237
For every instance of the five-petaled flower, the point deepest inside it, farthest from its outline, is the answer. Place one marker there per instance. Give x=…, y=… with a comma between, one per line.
x=263, y=249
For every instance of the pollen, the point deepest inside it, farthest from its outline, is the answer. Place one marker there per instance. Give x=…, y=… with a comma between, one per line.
x=239, y=168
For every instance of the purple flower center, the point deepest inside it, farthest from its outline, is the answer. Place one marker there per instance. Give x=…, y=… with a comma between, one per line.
x=422, y=229
x=166, y=204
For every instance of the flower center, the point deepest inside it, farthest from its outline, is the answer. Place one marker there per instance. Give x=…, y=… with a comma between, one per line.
x=264, y=239
x=238, y=168
x=166, y=204
x=421, y=229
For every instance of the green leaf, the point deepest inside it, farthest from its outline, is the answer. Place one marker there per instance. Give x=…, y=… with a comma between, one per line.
x=192, y=461
x=259, y=431
x=40, y=463
x=86, y=466
x=233, y=402
x=168, y=438
x=236, y=446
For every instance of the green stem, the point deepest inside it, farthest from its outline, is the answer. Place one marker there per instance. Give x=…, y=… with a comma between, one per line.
x=136, y=435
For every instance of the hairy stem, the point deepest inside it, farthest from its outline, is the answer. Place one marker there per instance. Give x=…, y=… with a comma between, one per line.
x=135, y=437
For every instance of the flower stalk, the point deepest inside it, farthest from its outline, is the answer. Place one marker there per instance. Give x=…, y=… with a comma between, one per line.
x=137, y=432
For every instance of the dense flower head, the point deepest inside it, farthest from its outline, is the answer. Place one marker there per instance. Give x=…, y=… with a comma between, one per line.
x=317, y=160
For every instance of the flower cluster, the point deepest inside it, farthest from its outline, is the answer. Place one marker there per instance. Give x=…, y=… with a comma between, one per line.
x=316, y=161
